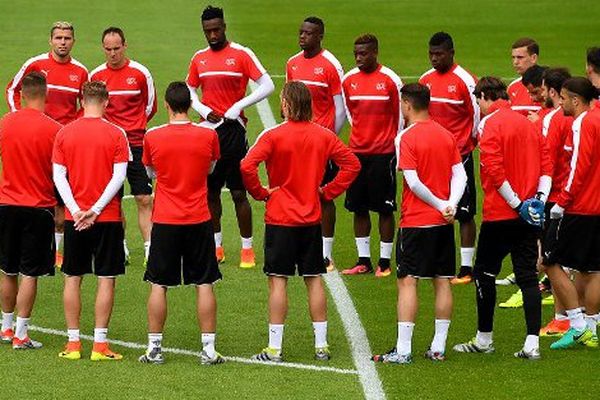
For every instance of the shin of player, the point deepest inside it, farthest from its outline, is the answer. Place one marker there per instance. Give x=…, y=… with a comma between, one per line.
x=221, y=71
x=434, y=182
x=26, y=208
x=515, y=176
x=90, y=163
x=295, y=154
x=181, y=155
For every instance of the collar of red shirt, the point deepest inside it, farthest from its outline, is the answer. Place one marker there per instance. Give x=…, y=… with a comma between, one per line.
x=68, y=59
x=498, y=104
x=127, y=61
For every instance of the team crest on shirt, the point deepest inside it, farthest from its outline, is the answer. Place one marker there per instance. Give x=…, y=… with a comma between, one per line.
x=294, y=67
x=380, y=86
x=230, y=61
x=451, y=88
x=318, y=71
x=203, y=62
x=73, y=78
x=354, y=86
x=131, y=80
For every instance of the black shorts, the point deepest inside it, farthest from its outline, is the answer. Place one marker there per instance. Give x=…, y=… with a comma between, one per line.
x=375, y=187
x=573, y=242
x=27, y=240
x=136, y=173
x=331, y=170
x=467, y=205
x=97, y=250
x=426, y=252
x=497, y=239
x=288, y=247
x=186, y=251
x=233, y=147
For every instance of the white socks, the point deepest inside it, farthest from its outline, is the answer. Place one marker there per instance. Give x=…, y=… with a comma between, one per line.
x=21, y=328
x=208, y=344
x=385, y=250
x=320, y=330
x=532, y=342
x=560, y=317
x=154, y=341
x=592, y=322
x=100, y=335
x=73, y=335
x=484, y=338
x=247, y=243
x=438, y=344
x=363, y=246
x=7, y=320
x=146, y=249
x=58, y=237
x=327, y=247
x=466, y=256
x=404, y=342
x=275, y=336
x=218, y=239
x=576, y=319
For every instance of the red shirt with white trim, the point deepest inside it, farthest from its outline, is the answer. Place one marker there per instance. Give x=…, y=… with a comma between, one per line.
x=510, y=150
x=519, y=98
x=296, y=154
x=453, y=104
x=580, y=193
x=372, y=103
x=131, y=97
x=89, y=148
x=64, y=82
x=223, y=75
x=430, y=150
x=181, y=154
x=26, y=140
x=322, y=74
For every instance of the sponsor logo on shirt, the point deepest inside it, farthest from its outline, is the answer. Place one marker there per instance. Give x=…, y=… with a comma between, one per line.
x=319, y=71
x=131, y=80
x=380, y=86
x=354, y=86
x=73, y=78
x=203, y=62
x=230, y=61
x=451, y=88
x=45, y=72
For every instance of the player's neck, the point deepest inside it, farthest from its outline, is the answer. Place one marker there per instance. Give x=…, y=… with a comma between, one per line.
x=580, y=110
x=36, y=104
x=178, y=117
x=93, y=111
x=310, y=53
x=418, y=116
x=120, y=64
x=59, y=59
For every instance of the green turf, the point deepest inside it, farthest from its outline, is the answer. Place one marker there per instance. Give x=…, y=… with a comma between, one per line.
x=163, y=36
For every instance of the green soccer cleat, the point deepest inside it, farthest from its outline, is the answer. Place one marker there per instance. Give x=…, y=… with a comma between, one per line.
x=514, y=301
x=592, y=343
x=572, y=338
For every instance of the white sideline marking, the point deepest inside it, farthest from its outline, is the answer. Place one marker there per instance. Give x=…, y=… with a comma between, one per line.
x=355, y=332
x=132, y=345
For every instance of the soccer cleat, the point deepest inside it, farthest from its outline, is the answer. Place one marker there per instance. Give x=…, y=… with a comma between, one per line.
x=153, y=356
x=392, y=357
x=247, y=258
x=473, y=347
x=548, y=301
x=58, y=260
x=435, y=355
x=322, y=354
x=329, y=265
x=220, y=253
x=532, y=355
x=514, y=301
x=592, y=343
x=72, y=351
x=101, y=352
x=555, y=327
x=509, y=280
x=7, y=335
x=358, y=269
x=464, y=277
x=25, y=344
x=206, y=360
x=382, y=273
x=269, y=354
x=572, y=338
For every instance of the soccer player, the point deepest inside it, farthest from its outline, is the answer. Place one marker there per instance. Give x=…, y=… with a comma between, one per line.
x=89, y=167
x=131, y=105
x=372, y=99
x=322, y=73
x=222, y=71
x=296, y=153
x=65, y=77
x=434, y=181
x=514, y=168
x=181, y=155
x=454, y=107
x=525, y=52
x=573, y=237
x=593, y=73
x=26, y=208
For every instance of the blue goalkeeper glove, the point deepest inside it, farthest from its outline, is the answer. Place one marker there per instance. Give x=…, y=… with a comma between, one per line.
x=532, y=211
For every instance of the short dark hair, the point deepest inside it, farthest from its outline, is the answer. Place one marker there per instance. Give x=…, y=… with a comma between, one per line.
x=113, y=30
x=533, y=75
x=211, y=12
x=369, y=39
x=593, y=58
x=531, y=44
x=33, y=85
x=492, y=88
x=299, y=100
x=442, y=39
x=417, y=95
x=95, y=91
x=178, y=97
x=555, y=77
x=316, y=21
x=581, y=87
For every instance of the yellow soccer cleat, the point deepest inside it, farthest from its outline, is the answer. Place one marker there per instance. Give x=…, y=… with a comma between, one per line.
x=101, y=352
x=247, y=258
x=72, y=351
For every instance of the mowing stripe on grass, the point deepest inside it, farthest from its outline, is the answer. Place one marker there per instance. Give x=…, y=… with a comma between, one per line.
x=355, y=332
x=173, y=350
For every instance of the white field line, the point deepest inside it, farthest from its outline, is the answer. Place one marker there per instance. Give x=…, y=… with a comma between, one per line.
x=173, y=350
x=355, y=332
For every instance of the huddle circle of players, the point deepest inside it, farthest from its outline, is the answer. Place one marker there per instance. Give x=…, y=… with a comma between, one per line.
x=539, y=141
